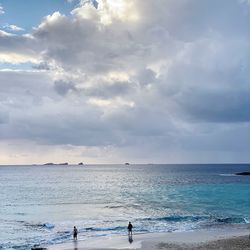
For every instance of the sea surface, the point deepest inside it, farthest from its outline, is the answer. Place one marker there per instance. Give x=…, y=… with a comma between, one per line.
x=41, y=204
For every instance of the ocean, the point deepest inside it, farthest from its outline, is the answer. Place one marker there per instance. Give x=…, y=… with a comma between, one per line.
x=41, y=204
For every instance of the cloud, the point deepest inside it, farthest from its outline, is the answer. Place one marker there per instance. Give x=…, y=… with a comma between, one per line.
x=18, y=48
x=62, y=87
x=4, y=117
x=12, y=27
x=92, y=2
x=1, y=10
x=41, y=66
x=108, y=90
x=5, y=34
x=160, y=80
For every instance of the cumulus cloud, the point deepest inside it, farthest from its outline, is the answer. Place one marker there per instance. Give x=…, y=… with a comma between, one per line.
x=93, y=2
x=164, y=79
x=18, y=49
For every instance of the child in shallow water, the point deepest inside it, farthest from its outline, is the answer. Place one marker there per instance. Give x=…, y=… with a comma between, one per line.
x=75, y=233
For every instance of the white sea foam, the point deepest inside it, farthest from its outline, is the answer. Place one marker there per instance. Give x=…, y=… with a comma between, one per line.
x=228, y=175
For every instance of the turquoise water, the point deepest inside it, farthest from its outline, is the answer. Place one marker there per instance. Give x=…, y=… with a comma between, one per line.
x=41, y=204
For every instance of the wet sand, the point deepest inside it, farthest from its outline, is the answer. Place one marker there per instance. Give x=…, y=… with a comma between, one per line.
x=228, y=239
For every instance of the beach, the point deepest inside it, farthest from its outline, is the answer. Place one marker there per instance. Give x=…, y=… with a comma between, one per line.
x=223, y=238
x=167, y=205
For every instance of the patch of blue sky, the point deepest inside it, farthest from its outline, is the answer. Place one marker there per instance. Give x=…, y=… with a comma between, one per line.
x=19, y=66
x=29, y=13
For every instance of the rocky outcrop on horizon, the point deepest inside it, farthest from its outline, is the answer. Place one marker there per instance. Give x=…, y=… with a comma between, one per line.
x=243, y=173
x=53, y=164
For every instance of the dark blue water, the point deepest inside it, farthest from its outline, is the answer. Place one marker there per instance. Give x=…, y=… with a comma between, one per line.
x=41, y=204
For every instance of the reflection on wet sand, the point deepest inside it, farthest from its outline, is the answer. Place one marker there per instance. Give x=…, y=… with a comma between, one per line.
x=75, y=245
x=130, y=239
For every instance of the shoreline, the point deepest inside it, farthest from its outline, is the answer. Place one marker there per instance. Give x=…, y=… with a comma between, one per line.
x=219, y=238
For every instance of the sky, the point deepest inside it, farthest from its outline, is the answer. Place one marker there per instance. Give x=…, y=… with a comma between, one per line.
x=114, y=81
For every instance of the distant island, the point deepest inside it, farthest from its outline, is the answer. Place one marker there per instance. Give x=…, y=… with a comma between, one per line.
x=127, y=163
x=243, y=173
x=55, y=164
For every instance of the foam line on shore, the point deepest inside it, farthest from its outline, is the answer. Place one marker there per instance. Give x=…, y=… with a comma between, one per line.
x=141, y=241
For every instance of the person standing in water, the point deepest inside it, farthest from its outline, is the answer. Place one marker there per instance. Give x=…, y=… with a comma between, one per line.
x=130, y=226
x=75, y=232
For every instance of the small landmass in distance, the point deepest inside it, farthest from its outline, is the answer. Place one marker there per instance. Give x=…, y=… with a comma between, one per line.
x=53, y=164
x=243, y=173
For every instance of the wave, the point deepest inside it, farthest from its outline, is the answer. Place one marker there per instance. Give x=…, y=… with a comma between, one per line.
x=19, y=213
x=123, y=206
x=115, y=206
x=247, y=220
x=58, y=237
x=191, y=218
x=48, y=225
x=42, y=225
x=64, y=236
x=18, y=247
x=150, y=224
x=231, y=220
x=119, y=228
x=177, y=218
x=45, y=225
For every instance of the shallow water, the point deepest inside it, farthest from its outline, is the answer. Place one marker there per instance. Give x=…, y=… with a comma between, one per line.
x=41, y=204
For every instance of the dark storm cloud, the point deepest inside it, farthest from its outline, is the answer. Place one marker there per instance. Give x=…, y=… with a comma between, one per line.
x=63, y=87
x=217, y=106
x=146, y=76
